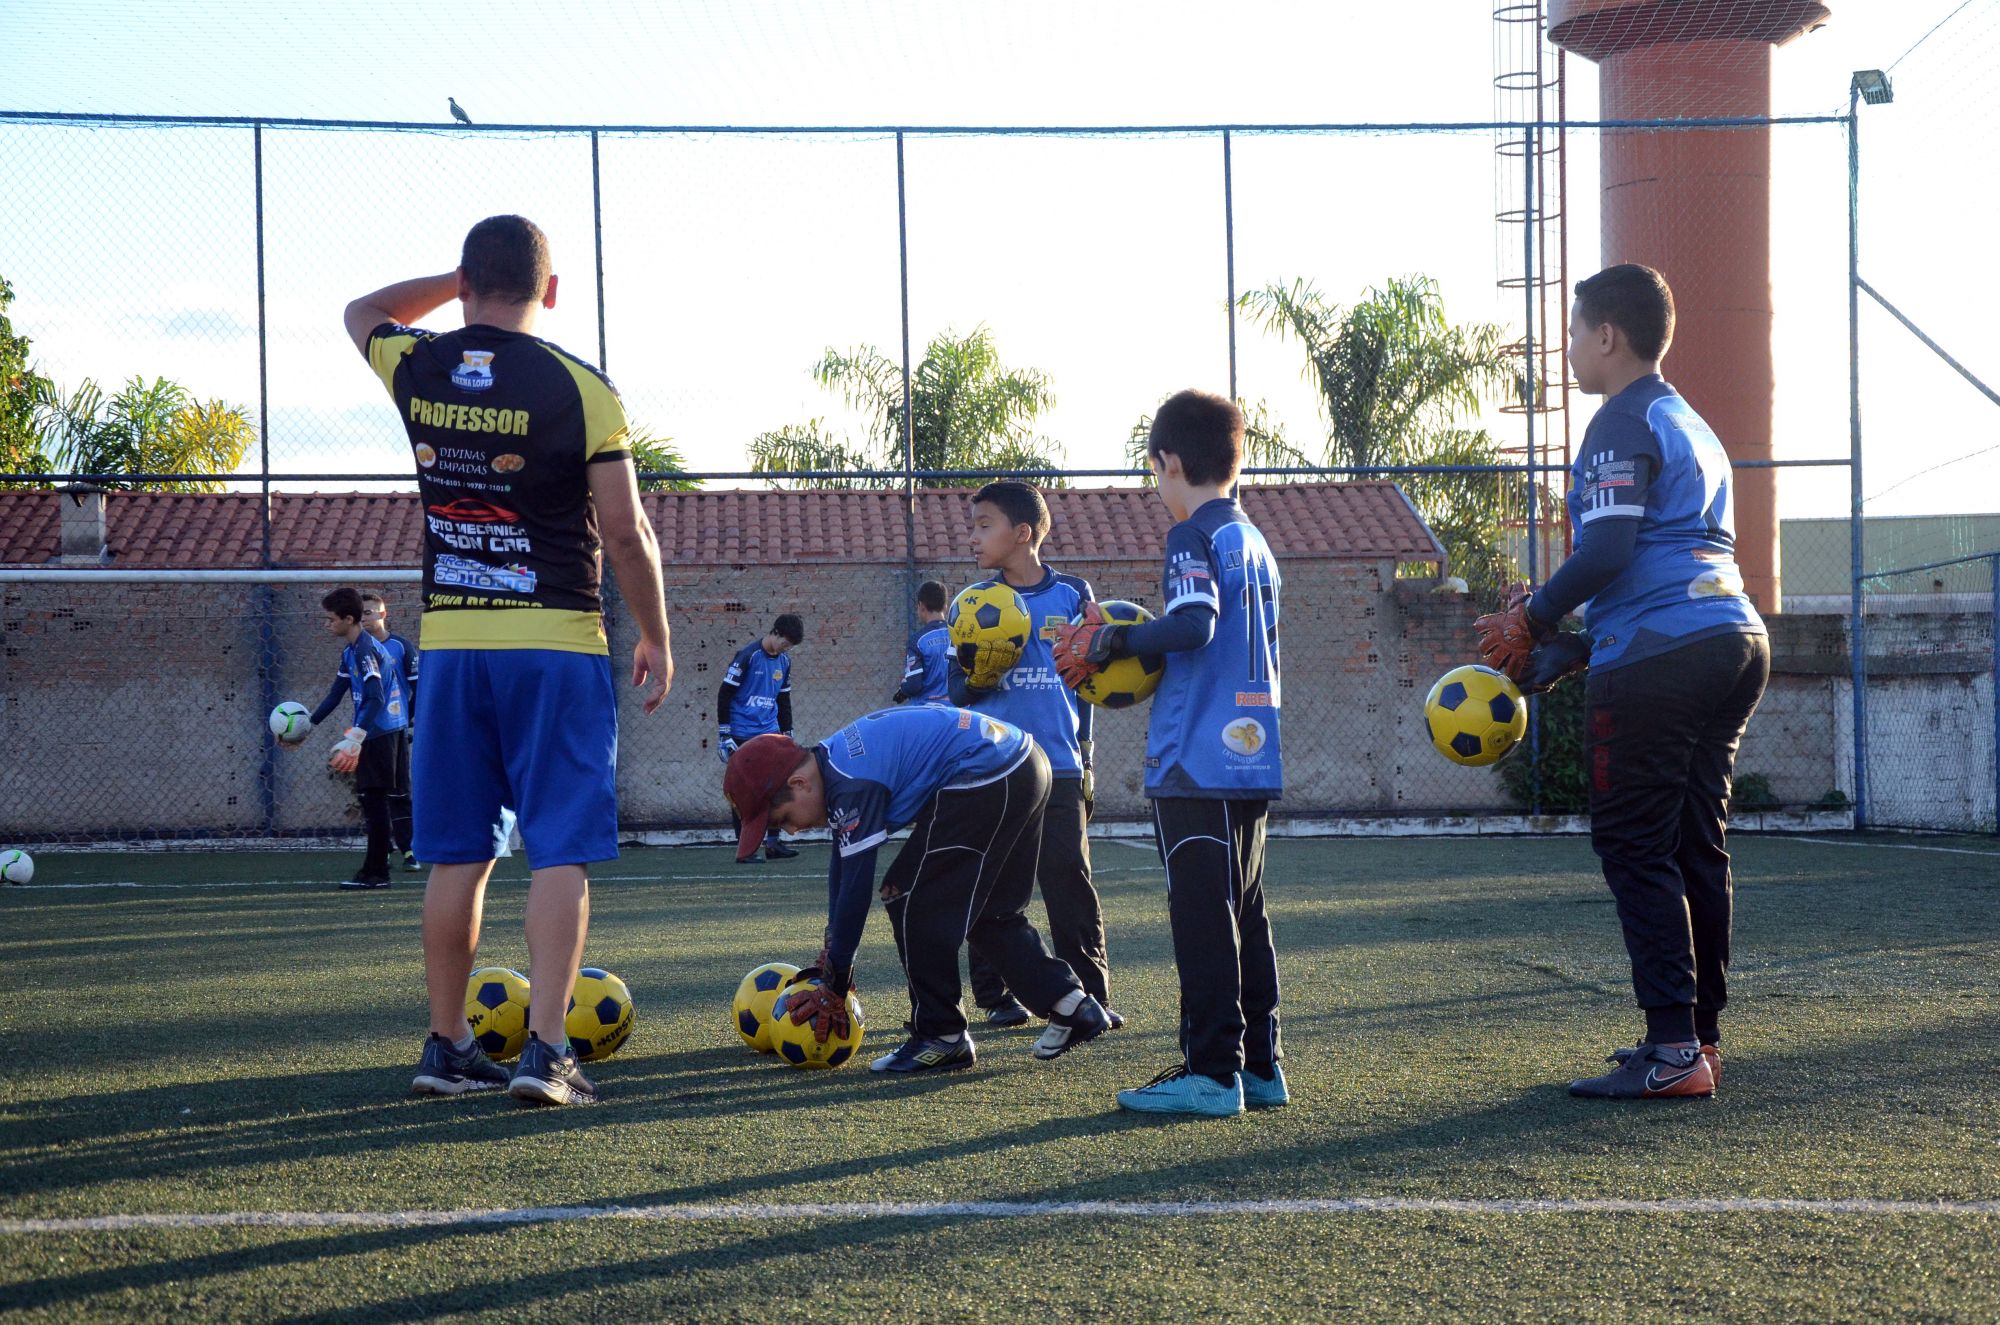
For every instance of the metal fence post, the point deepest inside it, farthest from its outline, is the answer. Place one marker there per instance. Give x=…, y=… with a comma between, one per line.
x=909, y=425
x=267, y=634
x=1993, y=570
x=597, y=232
x=1532, y=379
x=1229, y=254
x=1857, y=642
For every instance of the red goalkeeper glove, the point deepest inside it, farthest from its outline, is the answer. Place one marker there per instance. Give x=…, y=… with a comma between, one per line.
x=820, y=1005
x=1507, y=638
x=1083, y=648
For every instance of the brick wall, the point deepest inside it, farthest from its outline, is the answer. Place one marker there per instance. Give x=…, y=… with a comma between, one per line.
x=140, y=708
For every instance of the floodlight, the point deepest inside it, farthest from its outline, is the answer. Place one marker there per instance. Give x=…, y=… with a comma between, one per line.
x=1873, y=87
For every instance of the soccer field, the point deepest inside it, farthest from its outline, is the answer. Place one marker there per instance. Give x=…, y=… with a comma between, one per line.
x=203, y=1113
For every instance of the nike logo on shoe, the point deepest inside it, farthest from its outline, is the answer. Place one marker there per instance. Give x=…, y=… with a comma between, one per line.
x=1658, y=1083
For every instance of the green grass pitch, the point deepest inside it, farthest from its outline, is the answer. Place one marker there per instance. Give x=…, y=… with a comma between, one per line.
x=245, y=1045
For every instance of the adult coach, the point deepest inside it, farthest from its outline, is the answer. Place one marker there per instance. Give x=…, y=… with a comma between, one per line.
x=525, y=476
x=1678, y=660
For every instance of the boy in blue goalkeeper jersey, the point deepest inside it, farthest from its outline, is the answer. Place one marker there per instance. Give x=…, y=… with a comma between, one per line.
x=927, y=657
x=375, y=620
x=1212, y=760
x=972, y=789
x=1678, y=659
x=755, y=697
x=374, y=748
x=1010, y=521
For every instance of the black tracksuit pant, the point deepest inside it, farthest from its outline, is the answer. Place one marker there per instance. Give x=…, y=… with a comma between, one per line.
x=1213, y=851
x=1076, y=917
x=967, y=872
x=1660, y=743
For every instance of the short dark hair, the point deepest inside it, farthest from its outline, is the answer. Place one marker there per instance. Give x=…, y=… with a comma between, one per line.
x=1205, y=430
x=373, y=596
x=506, y=257
x=1633, y=298
x=1021, y=503
x=930, y=594
x=790, y=626
x=343, y=602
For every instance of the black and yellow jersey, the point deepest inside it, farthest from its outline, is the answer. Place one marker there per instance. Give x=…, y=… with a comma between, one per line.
x=502, y=425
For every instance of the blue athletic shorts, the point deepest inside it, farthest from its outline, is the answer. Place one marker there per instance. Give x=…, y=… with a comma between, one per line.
x=531, y=729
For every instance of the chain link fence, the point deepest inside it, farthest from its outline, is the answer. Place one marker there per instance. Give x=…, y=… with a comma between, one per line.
x=713, y=272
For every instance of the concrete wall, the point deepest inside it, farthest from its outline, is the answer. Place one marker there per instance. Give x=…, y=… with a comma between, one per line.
x=139, y=709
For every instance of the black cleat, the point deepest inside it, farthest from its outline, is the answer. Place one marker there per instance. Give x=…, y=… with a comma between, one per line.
x=775, y=850
x=410, y=865
x=1111, y=1015
x=547, y=1077
x=921, y=1054
x=446, y=1071
x=1708, y=1051
x=365, y=882
x=1067, y=1030
x=1007, y=1015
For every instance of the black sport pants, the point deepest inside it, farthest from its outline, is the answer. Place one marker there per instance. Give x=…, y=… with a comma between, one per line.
x=1076, y=917
x=1213, y=851
x=1660, y=738
x=967, y=872
x=380, y=778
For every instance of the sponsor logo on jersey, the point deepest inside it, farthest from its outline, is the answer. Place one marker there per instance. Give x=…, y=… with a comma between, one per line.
x=471, y=510
x=475, y=373
x=426, y=454
x=965, y=720
x=1716, y=583
x=855, y=749
x=1252, y=699
x=509, y=463
x=1051, y=623
x=995, y=732
x=1245, y=737
x=465, y=574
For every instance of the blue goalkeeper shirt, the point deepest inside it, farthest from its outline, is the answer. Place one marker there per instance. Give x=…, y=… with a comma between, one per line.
x=927, y=664
x=1213, y=730
x=756, y=693
x=1031, y=695
x=381, y=704
x=880, y=771
x=1647, y=456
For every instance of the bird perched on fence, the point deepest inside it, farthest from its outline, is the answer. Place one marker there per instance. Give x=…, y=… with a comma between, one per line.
x=458, y=111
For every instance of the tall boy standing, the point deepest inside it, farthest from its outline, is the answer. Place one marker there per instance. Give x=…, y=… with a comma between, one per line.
x=1212, y=761
x=971, y=788
x=1010, y=521
x=1678, y=660
x=755, y=697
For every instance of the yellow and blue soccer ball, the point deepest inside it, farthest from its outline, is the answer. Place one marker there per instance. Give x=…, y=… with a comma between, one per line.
x=1475, y=715
x=16, y=865
x=752, y=1009
x=496, y=1007
x=795, y=1044
x=600, y=1014
x=1123, y=682
x=989, y=626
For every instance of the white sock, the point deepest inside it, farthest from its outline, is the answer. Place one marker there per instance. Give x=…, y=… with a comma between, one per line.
x=463, y=1046
x=1070, y=1002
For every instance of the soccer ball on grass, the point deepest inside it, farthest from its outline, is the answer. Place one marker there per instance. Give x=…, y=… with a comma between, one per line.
x=751, y=1011
x=600, y=1014
x=795, y=1044
x=496, y=1007
x=1475, y=715
x=16, y=865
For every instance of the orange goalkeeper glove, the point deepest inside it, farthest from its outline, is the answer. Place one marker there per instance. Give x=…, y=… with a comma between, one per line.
x=346, y=755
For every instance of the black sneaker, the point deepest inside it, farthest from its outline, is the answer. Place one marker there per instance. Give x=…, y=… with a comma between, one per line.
x=1111, y=1015
x=365, y=882
x=410, y=865
x=920, y=1054
x=776, y=850
x=1008, y=1015
x=1651, y=1072
x=547, y=1077
x=1067, y=1030
x=446, y=1071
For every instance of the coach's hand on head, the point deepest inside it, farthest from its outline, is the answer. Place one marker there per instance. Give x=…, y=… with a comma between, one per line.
x=634, y=555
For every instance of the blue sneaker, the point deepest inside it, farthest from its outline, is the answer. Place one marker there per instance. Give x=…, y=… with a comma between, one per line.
x=923, y=1054
x=446, y=1071
x=1264, y=1092
x=548, y=1077
x=1067, y=1030
x=1178, y=1090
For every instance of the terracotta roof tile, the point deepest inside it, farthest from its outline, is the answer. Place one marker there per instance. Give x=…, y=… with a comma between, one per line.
x=1358, y=521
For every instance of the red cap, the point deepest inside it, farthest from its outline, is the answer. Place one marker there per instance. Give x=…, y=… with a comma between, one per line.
x=758, y=768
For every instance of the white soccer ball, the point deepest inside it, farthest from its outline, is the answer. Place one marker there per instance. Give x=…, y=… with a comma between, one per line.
x=16, y=865
x=291, y=720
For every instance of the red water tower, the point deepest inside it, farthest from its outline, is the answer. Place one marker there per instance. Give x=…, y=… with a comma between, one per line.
x=1696, y=205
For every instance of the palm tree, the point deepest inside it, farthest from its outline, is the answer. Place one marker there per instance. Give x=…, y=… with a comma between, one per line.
x=1397, y=382
x=658, y=455
x=147, y=428
x=21, y=386
x=1264, y=445
x=967, y=411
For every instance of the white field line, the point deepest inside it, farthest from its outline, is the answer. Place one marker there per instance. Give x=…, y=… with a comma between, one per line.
x=1355, y=1205
x=1897, y=846
x=744, y=876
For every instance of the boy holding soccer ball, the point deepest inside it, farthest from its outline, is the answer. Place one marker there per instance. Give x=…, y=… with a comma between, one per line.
x=972, y=790
x=1212, y=762
x=1678, y=659
x=1010, y=520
